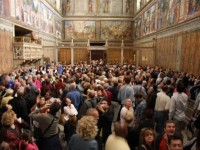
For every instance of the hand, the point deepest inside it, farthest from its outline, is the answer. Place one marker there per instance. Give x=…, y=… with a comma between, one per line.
x=46, y=106
x=19, y=120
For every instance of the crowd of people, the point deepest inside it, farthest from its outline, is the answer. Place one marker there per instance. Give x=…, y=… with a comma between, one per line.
x=111, y=107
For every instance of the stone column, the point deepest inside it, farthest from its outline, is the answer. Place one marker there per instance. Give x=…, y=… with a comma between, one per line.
x=178, y=57
x=122, y=52
x=72, y=52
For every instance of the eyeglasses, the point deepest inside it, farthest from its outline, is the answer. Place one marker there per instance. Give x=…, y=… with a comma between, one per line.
x=104, y=103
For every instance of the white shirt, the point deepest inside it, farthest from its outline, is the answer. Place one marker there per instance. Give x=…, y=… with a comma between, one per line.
x=178, y=106
x=162, y=102
x=70, y=111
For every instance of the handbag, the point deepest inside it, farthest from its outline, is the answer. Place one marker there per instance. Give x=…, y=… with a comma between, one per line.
x=62, y=119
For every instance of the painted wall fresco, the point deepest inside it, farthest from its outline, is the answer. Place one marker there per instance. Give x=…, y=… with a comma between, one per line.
x=193, y=7
x=56, y=4
x=32, y=13
x=2, y=7
x=58, y=28
x=138, y=27
x=149, y=20
x=80, y=29
x=97, y=7
x=168, y=13
x=116, y=30
x=47, y=19
x=140, y=4
x=5, y=7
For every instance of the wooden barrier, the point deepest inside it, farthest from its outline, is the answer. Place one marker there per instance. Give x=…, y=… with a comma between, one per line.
x=6, y=52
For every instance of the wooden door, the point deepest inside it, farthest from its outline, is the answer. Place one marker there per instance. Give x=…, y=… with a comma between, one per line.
x=97, y=55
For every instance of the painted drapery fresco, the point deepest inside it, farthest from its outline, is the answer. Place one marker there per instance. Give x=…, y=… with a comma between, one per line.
x=116, y=30
x=79, y=29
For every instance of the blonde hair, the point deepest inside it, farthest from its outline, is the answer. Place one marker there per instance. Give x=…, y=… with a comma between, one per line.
x=8, y=118
x=87, y=127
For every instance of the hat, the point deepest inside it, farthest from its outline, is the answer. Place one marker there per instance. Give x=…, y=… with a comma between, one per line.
x=9, y=91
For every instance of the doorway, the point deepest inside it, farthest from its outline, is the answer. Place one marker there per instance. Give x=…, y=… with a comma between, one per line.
x=97, y=55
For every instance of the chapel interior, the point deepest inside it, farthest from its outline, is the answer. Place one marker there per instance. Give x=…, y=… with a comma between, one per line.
x=153, y=32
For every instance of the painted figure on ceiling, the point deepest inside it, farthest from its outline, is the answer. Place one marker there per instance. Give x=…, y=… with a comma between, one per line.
x=90, y=6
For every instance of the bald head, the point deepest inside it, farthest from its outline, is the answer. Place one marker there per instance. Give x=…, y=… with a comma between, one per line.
x=93, y=112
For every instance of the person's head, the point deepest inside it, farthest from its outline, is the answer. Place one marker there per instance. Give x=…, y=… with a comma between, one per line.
x=169, y=128
x=42, y=101
x=175, y=142
x=87, y=127
x=4, y=146
x=68, y=101
x=180, y=86
x=147, y=135
x=54, y=107
x=138, y=97
x=92, y=112
x=128, y=103
x=72, y=86
x=48, y=95
x=9, y=92
x=127, y=79
x=121, y=129
x=165, y=88
x=104, y=104
x=8, y=118
x=26, y=137
x=91, y=94
x=20, y=91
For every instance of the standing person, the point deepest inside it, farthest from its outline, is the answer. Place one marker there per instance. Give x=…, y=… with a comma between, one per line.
x=161, y=109
x=70, y=117
x=48, y=125
x=19, y=105
x=74, y=95
x=147, y=138
x=84, y=138
x=105, y=120
x=161, y=142
x=178, y=106
x=115, y=104
x=126, y=91
x=140, y=107
x=127, y=113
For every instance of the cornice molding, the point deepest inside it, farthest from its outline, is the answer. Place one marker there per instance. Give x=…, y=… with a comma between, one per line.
x=78, y=18
x=5, y=25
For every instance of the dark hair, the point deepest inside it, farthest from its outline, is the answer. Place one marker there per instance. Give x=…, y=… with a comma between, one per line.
x=180, y=86
x=121, y=129
x=54, y=108
x=165, y=88
x=26, y=136
x=127, y=79
x=138, y=95
x=176, y=136
x=169, y=121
